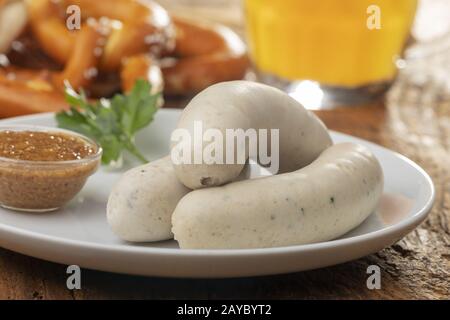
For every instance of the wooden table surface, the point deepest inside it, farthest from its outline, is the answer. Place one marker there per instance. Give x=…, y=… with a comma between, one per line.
x=414, y=120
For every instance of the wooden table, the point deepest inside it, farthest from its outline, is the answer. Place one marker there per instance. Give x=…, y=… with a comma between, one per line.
x=414, y=120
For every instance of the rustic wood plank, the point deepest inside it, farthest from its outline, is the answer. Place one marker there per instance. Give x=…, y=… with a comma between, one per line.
x=416, y=267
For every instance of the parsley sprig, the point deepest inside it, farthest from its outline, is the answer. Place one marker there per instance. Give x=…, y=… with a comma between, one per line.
x=111, y=123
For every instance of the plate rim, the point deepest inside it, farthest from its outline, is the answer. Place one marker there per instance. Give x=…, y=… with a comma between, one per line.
x=129, y=248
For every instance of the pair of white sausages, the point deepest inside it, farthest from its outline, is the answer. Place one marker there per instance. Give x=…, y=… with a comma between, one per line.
x=319, y=202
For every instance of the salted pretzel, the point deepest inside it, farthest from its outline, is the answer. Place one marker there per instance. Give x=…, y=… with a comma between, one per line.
x=203, y=55
x=20, y=87
x=141, y=67
x=95, y=46
x=133, y=29
x=119, y=40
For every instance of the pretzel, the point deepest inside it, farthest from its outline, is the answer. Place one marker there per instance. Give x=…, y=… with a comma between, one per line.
x=141, y=67
x=13, y=18
x=203, y=54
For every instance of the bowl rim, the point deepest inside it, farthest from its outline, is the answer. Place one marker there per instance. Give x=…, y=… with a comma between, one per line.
x=19, y=127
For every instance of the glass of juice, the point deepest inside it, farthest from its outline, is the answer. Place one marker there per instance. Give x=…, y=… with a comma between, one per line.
x=328, y=52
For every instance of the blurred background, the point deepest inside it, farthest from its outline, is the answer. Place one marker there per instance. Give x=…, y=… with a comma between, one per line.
x=409, y=55
x=390, y=86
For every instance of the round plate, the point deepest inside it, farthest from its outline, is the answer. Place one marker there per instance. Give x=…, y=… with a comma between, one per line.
x=79, y=234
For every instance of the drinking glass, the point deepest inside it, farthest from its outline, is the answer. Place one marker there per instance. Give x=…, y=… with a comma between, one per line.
x=328, y=52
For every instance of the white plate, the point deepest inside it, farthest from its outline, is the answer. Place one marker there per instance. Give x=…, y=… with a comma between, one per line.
x=79, y=234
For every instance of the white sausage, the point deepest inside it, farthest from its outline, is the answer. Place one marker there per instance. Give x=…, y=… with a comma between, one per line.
x=250, y=105
x=320, y=202
x=141, y=203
